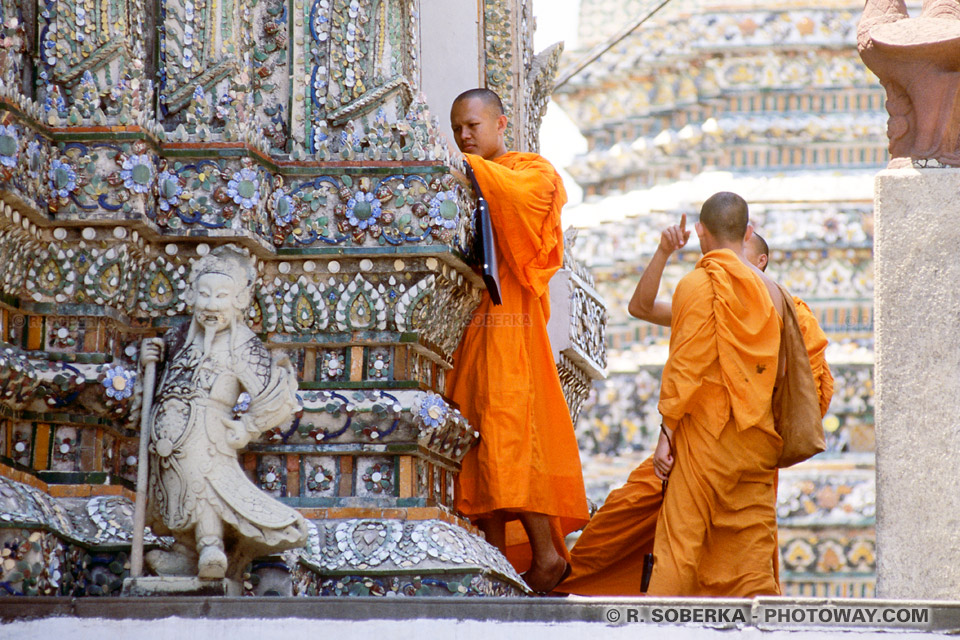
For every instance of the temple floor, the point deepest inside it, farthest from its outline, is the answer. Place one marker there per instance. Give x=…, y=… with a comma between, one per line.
x=557, y=618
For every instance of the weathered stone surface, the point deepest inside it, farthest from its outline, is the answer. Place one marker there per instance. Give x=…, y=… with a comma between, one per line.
x=179, y=586
x=918, y=429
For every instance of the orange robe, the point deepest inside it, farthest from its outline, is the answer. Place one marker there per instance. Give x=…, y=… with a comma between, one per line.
x=816, y=342
x=607, y=558
x=504, y=378
x=717, y=529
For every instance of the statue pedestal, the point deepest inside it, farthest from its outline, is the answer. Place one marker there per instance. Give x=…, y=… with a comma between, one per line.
x=918, y=387
x=179, y=586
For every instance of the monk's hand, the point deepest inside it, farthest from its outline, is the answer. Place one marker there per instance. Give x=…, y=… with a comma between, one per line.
x=674, y=237
x=460, y=176
x=663, y=457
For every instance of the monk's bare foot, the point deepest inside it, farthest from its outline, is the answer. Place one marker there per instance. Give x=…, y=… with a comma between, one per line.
x=545, y=579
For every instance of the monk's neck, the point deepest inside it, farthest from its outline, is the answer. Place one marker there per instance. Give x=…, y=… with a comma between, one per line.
x=502, y=151
x=736, y=248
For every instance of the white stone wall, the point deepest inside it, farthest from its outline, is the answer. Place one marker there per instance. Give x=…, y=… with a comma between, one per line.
x=450, y=54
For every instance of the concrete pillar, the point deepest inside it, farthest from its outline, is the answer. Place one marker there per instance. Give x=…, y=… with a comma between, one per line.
x=917, y=303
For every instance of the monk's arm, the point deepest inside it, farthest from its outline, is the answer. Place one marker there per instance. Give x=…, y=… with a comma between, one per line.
x=825, y=388
x=816, y=343
x=644, y=304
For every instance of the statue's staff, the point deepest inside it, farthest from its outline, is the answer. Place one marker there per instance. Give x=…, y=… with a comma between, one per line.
x=143, y=469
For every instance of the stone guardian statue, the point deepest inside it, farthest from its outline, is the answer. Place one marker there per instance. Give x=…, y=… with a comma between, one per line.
x=918, y=63
x=219, y=389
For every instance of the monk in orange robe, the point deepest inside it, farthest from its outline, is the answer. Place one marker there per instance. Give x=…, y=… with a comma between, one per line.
x=717, y=529
x=522, y=484
x=607, y=558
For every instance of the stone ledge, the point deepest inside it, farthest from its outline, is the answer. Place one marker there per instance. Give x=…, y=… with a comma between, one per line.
x=759, y=613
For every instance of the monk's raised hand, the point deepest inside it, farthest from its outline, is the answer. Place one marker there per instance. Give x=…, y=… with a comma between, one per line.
x=675, y=236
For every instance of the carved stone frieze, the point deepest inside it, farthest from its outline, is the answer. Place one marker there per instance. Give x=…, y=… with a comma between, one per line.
x=335, y=418
x=342, y=547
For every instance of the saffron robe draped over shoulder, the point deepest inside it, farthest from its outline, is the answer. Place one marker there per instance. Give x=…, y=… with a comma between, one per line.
x=608, y=557
x=717, y=530
x=504, y=379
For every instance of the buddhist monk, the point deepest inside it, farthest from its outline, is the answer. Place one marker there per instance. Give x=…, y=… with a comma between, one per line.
x=607, y=558
x=522, y=484
x=717, y=528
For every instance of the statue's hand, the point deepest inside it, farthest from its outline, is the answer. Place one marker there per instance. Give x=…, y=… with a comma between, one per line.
x=151, y=350
x=237, y=435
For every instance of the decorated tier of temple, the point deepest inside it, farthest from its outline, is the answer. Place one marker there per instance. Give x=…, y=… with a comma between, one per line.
x=769, y=100
x=136, y=139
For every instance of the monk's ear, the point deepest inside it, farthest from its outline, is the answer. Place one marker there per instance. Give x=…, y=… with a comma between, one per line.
x=762, y=261
x=501, y=123
x=748, y=234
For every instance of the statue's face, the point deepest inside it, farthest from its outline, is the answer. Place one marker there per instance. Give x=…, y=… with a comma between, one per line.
x=216, y=300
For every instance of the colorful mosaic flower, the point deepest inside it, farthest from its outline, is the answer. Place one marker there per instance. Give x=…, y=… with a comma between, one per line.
x=283, y=209
x=137, y=173
x=169, y=190
x=119, y=383
x=244, y=189
x=444, y=211
x=63, y=179
x=433, y=410
x=363, y=210
x=319, y=479
x=9, y=145
x=378, y=478
x=271, y=478
x=332, y=365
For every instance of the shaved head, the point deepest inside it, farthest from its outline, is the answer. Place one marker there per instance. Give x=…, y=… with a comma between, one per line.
x=756, y=251
x=725, y=216
x=478, y=123
x=488, y=97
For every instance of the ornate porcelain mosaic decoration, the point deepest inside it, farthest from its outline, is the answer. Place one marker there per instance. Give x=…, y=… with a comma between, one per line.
x=135, y=139
x=737, y=86
x=768, y=100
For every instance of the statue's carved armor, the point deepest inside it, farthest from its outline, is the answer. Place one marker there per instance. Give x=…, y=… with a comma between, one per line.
x=193, y=467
